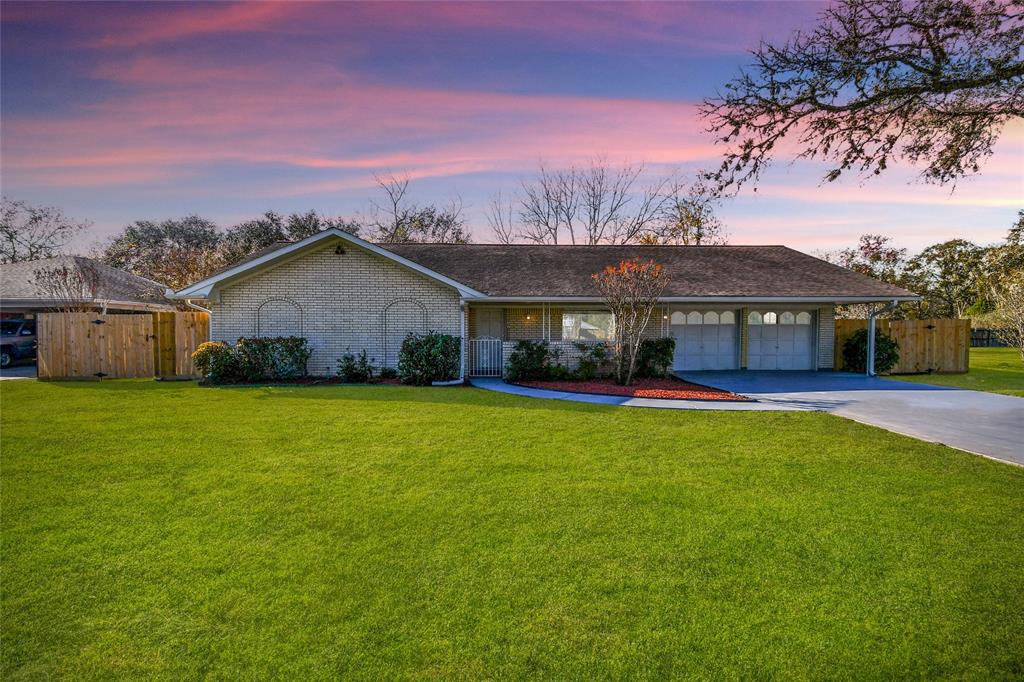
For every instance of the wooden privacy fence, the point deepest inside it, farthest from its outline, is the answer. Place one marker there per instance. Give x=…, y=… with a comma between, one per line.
x=94, y=346
x=925, y=345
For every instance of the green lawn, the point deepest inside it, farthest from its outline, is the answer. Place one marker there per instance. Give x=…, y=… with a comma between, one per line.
x=996, y=370
x=162, y=530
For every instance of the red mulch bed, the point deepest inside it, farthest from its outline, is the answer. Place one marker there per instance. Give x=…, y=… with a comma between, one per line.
x=670, y=389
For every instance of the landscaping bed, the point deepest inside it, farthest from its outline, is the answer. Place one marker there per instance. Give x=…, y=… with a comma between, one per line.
x=663, y=388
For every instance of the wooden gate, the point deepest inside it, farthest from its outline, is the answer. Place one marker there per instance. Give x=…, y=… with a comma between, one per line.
x=178, y=334
x=925, y=345
x=94, y=346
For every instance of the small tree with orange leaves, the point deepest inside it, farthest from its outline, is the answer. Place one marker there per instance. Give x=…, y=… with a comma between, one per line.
x=631, y=290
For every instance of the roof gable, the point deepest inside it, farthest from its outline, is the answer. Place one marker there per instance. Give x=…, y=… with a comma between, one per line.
x=272, y=257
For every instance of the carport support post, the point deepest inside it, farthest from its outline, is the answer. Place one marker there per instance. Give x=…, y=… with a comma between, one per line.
x=871, y=345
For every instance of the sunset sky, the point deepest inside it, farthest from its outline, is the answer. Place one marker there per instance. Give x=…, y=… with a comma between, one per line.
x=117, y=112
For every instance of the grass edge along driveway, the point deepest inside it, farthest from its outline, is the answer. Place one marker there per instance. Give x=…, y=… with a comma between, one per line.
x=163, y=530
x=994, y=370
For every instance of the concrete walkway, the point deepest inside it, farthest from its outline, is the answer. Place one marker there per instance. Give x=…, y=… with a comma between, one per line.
x=987, y=424
x=983, y=423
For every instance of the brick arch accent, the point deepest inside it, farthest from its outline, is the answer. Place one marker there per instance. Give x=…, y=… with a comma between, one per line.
x=399, y=317
x=279, y=317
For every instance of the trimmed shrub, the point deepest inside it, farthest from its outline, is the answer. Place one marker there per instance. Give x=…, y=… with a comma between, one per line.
x=855, y=352
x=355, y=369
x=280, y=357
x=593, y=359
x=655, y=357
x=425, y=358
x=528, y=362
x=216, y=361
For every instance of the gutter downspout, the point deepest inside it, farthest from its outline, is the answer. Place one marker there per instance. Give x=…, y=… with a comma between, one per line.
x=462, y=333
x=871, y=334
x=190, y=304
x=462, y=355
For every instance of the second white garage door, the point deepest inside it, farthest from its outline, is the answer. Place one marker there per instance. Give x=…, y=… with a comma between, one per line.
x=705, y=340
x=780, y=340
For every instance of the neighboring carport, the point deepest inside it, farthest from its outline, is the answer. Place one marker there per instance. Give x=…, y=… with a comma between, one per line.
x=983, y=423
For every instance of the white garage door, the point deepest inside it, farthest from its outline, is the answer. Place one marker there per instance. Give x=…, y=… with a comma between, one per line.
x=780, y=340
x=705, y=339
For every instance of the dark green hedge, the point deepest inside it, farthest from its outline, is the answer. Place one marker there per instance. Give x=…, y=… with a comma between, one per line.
x=425, y=358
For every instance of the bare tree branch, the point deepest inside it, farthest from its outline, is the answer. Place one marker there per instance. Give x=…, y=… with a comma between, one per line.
x=931, y=82
x=73, y=288
x=594, y=205
x=33, y=232
x=500, y=217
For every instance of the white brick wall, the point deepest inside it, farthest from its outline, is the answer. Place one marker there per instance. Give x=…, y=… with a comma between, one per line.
x=356, y=300
x=826, y=336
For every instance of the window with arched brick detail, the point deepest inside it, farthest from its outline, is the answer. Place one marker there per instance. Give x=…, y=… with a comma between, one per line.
x=278, y=317
x=400, y=317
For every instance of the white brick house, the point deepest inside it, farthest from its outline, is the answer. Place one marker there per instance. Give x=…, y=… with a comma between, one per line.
x=756, y=307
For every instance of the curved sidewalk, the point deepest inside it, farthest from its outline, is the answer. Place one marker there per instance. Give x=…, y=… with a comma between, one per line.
x=500, y=386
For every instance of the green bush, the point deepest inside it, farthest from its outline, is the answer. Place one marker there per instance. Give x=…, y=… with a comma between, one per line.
x=855, y=352
x=528, y=361
x=654, y=357
x=594, y=359
x=355, y=369
x=216, y=361
x=279, y=357
x=388, y=373
x=425, y=358
x=253, y=359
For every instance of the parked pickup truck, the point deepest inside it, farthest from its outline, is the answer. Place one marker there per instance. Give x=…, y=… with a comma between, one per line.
x=17, y=341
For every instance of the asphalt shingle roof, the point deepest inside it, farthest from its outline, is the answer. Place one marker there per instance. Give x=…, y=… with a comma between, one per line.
x=17, y=281
x=741, y=271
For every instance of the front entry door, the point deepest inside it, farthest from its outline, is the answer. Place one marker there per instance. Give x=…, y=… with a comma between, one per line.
x=485, y=357
x=490, y=323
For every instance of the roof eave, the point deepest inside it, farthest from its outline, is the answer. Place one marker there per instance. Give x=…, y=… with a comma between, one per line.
x=205, y=288
x=710, y=299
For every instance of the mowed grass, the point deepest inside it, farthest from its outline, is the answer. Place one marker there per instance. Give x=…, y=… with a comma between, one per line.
x=162, y=530
x=996, y=370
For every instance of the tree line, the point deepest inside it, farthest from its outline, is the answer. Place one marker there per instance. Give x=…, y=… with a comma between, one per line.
x=955, y=278
x=597, y=204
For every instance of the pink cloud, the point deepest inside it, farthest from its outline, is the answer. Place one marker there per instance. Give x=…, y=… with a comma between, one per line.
x=180, y=112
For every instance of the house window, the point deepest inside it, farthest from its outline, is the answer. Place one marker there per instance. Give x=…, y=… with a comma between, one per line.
x=587, y=326
x=771, y=318
x=754, y=317
x=803, y=318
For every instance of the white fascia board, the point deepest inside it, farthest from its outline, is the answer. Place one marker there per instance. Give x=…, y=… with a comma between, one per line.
x=203, y=288
x=704, y=299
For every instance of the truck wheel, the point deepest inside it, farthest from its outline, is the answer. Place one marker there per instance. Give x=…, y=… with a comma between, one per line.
x=6, y=358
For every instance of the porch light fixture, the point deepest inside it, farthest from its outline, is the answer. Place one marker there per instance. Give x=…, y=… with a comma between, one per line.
x=528, y=318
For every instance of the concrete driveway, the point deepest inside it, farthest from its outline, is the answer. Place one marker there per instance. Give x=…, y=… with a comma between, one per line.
x=18, y=372
x=983, y=423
